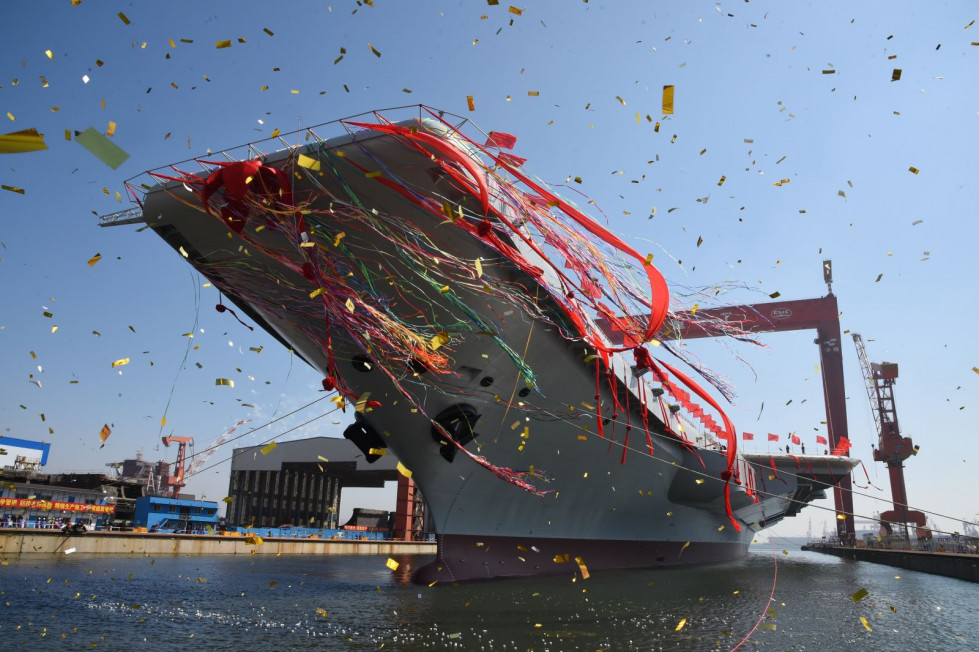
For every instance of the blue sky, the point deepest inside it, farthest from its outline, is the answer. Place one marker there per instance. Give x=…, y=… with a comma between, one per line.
x=765, y=91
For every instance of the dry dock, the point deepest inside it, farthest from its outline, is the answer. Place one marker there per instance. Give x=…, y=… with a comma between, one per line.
x=14, y=543
x=959, y=565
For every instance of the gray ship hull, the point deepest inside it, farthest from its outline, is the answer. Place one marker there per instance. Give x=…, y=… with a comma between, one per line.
x=560, y=472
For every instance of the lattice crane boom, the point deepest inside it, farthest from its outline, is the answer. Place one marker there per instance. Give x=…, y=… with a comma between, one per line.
x=868, y=378
x=201, y=459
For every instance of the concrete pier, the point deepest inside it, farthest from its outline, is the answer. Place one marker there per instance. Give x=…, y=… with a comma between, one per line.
x=15, y=543
x=961, y=566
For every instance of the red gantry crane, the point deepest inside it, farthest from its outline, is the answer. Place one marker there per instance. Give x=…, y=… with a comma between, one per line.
x=176, y=482
x=892, y=448
x=821, y=314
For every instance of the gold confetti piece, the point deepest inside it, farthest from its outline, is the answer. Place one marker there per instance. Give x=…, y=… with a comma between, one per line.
x=404, y=470
x=269, y=447
x=49, y=54
x=11, y=115
x=479, y=268
x=668, y=99
x=222, y=44
x=378, y=451
x=227, y=499
x=104, y=433
x=913, y=170
x=771, y=627
x=315, y=293
x=866, y=625
x=275, y=132
x=621, y=101
x=104, y=149
x=393, y=565
x=879, y=276
x=533, y=93
x=683, y=621
x=111, y=131
x=253, y=541
x=685, y=546
x=775, y=295
x=439, y=340
x=374, y=50
x=120, y=362
x=896, y=75
x=123, y=18
x=19, y=191
x=373, y=175
x=350, y=305
x=515, y=11
x=470, y=103
x=226, y=382
x=976, y=369
x=581, y=566
x=268, y=31
x=589, y=358
x=306, y=161
x=859, y=595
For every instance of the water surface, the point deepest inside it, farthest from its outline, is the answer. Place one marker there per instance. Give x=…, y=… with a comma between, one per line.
x=358, y=603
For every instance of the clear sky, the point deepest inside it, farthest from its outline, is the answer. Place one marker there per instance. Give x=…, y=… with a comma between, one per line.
x=793, y=104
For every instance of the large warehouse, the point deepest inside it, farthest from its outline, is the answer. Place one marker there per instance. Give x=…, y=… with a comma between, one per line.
x=299, y=482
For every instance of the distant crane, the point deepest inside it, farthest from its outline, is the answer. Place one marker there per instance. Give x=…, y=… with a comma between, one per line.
x=892, y=448
x=176, y=482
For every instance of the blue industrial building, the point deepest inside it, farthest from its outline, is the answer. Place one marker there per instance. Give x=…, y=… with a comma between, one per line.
x=158, y=514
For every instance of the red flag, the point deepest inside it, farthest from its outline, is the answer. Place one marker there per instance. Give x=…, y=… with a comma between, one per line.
x=821, y=440
x=512, y=161
x=795, y=439
x=747, y=436
x=500, y=139
x=772, y=437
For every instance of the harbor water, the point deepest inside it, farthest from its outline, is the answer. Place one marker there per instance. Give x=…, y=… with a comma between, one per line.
x=359, y=603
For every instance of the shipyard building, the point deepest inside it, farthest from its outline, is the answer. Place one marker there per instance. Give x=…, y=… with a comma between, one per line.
x=298, y=483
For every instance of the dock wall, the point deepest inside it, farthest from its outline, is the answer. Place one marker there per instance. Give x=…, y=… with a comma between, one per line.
x=39, y=542
x=958, y=565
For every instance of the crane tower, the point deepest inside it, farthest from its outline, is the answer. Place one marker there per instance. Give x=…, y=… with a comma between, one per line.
x=892, y=448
